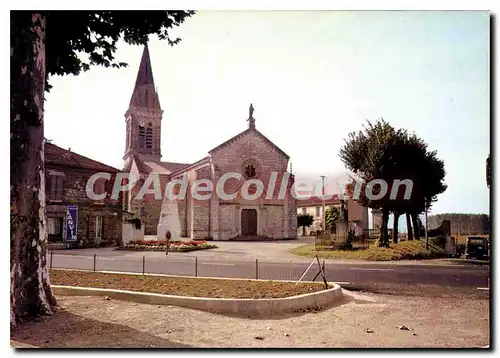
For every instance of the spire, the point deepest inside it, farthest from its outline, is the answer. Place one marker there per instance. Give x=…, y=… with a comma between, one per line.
x=251, y=120
x=145, y=94
x=145, y=73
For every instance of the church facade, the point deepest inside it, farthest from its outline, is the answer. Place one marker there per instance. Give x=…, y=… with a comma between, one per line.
x=248, y=158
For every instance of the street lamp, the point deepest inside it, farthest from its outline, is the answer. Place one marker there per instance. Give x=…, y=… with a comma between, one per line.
x=323, y=195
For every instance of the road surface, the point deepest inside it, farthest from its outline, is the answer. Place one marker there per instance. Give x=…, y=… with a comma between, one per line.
x=384, y=278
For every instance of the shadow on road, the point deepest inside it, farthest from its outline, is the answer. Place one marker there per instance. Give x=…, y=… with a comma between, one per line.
x=67, y=330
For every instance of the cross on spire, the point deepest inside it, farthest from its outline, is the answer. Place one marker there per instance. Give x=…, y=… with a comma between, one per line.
x=251, y=120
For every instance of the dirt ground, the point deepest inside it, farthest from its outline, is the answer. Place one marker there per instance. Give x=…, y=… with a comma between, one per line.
x=94, y=322
x=181, y=286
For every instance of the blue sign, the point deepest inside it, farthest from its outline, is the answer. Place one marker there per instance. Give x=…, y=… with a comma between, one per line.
x=71, y=222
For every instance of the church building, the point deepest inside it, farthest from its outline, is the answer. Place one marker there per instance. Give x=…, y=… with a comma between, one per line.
x=249, y=153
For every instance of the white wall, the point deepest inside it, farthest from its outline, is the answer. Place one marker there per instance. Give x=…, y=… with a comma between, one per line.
x=130, y=233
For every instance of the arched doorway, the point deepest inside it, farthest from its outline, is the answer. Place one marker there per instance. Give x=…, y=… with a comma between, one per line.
x=249, y=222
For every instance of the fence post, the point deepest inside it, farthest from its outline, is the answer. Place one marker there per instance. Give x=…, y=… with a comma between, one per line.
x=196, y=266
x=95, y=257
x=51, y=252
x=143, y=264
x=256, y=269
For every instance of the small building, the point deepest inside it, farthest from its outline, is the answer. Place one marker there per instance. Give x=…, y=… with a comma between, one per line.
x=74, y=219
x=357, y=214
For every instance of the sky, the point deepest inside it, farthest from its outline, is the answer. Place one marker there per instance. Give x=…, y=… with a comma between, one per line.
x=313, y=77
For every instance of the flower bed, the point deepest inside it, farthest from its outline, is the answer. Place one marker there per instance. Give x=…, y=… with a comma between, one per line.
x=57, y=246
x=161, y=245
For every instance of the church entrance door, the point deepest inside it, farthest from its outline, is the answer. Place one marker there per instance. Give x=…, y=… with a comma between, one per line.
x=249, y=222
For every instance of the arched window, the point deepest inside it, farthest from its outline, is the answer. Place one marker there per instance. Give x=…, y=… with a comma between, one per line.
x=128, y=135
x=250, y=171
x=141, y=136
x=149, y=136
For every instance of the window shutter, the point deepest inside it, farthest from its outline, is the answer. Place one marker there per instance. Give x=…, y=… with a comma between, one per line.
x=52, y=186
x=59, y=187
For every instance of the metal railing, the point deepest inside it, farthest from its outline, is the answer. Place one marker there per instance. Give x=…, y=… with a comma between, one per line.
x=189, y=266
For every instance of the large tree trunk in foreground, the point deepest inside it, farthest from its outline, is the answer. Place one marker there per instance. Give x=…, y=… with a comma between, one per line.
x=396, y=228
x=30, y=292
x=409, y=226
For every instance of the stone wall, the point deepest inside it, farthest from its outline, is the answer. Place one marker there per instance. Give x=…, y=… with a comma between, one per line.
x=149, y=207
x=274, y=221
x=376, y=219
x=292, y=218
x=273, y=215
x=74, y=193
x=227, y=222
x=358, y=213
x=151, y=211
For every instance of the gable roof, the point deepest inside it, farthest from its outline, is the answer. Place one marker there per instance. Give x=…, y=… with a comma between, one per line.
x=60, y=156
x=203, y=160
x=149, y=166
x=315, y=201
x=173, y=167
x=242, y=134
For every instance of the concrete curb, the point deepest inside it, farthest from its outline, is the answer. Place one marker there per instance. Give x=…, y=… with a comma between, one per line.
x=254, y=307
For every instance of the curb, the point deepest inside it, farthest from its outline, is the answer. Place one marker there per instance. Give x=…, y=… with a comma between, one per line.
x=245, y=306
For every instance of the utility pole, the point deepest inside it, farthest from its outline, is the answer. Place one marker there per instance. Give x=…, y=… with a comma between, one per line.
x=426, y=236
x=323, y=195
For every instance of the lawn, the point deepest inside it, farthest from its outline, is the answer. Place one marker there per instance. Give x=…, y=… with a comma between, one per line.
x=406, y=250
x=182, y=286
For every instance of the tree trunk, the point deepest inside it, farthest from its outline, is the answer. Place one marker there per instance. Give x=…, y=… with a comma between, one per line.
x=409, y=226
x=416, y=227
x=384, y=235
x=303, y=231
x=30, y=292
x=395, y=227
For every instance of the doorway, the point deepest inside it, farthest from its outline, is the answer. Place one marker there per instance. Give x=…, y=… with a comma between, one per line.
x=249, y=222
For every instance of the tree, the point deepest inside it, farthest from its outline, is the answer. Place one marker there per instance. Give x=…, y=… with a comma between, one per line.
x=304, y=220
x=421, y=227
x=332, y=215
x=428, y=184
x=364, y=153
x=44, y=44
x=392, y=156
x=408, y=158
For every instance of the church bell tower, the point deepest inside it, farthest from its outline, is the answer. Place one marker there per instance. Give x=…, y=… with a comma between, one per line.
x=143, y=117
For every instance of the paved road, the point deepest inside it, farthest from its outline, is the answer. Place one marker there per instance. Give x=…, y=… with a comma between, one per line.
x=385, y=278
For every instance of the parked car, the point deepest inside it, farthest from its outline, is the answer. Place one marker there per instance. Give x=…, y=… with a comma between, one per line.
x=460, y=250
x=477, y=247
